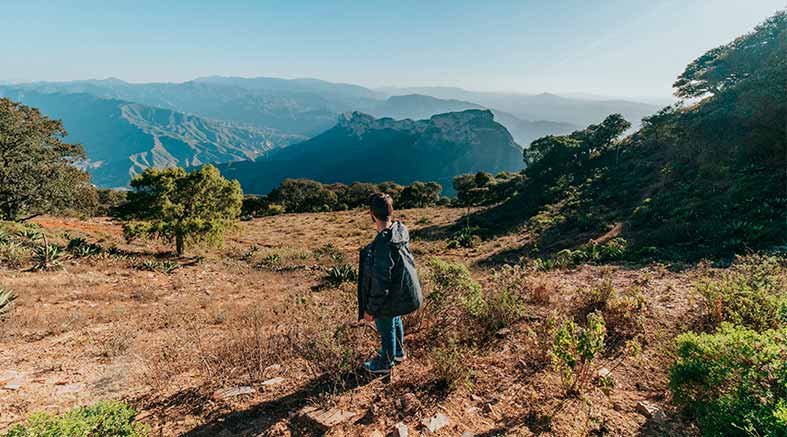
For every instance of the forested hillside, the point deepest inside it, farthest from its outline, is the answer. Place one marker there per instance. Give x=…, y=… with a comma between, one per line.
x=703, y=177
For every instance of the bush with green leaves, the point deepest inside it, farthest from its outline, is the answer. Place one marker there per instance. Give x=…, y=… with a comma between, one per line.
x=574, y=350
x=505, y=298
x=751, y=293
x=452, y=284
x=734, y=381
x=455, y=296
x=102, y=419
x=181, y=207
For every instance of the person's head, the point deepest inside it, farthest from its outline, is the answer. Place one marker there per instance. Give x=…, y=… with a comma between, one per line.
x=381, y=207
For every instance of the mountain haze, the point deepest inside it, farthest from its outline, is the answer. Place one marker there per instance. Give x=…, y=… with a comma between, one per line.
x=123, y=138
x=544, y=106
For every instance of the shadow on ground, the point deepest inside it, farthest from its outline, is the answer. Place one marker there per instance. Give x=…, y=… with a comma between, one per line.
x=261, y=417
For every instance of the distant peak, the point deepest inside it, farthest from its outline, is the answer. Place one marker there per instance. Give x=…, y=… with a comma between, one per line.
x=468, y=114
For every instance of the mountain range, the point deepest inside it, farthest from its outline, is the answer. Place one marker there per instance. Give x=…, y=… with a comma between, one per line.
x=364, y=148
x=123, y=138
x=126, y=127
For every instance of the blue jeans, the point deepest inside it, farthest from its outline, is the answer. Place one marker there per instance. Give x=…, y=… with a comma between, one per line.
x=391, y=333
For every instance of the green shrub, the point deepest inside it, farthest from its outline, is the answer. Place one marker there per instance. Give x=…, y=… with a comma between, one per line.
x=454, y=288
x=13, y=254
x=624, y=314
x=464, y=238
x=505, y=299
x=274, y=209
x=454, y=291
x=750, y=293
x=449, y=363
x=734, y=381
x=271, y=261
x=575, y=348
x=103, y=419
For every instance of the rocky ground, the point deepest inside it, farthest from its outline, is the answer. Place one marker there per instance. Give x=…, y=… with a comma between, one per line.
x=242, y=340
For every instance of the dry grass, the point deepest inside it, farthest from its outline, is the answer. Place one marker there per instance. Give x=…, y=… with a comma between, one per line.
x=253, y=310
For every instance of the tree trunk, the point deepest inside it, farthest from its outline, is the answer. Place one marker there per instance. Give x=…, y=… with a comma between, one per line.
x=179, y=244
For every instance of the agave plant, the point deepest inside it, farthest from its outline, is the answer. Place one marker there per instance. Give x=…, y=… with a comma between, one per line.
x=5, y=238
x=340, y=274
x=169, y=266
x=150, y=265
x=47, y=256
x=30, y=234
x=79, y=247
x=6, y=300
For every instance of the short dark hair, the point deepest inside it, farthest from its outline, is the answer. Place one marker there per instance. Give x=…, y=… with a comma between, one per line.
x=381, y=205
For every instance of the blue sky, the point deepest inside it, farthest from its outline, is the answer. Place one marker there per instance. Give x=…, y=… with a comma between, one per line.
x=619, y=48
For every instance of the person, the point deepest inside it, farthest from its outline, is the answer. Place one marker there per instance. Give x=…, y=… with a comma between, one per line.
x=388, y=285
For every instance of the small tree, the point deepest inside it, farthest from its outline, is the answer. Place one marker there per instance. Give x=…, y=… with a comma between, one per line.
x=420, y=195
x=37, y=172
x=183, y=207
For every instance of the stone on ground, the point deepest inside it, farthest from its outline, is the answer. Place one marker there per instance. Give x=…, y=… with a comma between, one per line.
x=231, y=392
x=436, y=422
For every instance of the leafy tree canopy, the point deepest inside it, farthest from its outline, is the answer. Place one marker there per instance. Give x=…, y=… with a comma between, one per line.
x=37, y=169
x=183, y=207
x=753, y=56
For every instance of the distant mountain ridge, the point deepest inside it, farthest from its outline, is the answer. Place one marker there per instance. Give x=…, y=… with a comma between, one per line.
x=419, y=106
x=364, y=148
x=127, y=127
x=544, y=106
x=123, y=138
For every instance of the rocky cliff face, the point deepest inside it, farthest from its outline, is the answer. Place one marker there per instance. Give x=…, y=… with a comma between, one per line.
x=363, y=148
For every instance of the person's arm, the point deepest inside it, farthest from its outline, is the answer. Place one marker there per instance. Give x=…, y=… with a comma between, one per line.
x=382, y=270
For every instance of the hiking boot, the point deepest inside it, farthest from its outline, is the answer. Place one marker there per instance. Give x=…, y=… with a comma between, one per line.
x=377, y=366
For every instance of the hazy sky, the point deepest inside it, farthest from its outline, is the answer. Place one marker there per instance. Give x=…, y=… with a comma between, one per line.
x=620, y=48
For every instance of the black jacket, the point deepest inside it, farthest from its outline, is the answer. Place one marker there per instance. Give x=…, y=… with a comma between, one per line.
x=388, y=283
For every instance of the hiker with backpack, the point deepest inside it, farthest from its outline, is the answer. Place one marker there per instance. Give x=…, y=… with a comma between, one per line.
x=388, y=286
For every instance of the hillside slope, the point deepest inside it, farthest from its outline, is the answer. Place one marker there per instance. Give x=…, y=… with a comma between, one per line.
x=700, y=179
x=123, y=138
x=362, y=148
